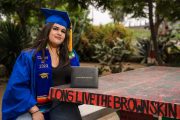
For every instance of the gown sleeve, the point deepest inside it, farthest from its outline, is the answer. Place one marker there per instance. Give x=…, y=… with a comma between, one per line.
x=18, y=97
x=74, y=59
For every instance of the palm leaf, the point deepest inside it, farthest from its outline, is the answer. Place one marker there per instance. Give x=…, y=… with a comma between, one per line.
x=13, y=39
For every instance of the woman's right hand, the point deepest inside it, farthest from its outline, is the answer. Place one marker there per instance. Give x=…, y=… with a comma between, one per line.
x=38, y=116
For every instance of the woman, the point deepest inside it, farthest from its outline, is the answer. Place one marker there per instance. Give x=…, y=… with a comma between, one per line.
x=36, y=70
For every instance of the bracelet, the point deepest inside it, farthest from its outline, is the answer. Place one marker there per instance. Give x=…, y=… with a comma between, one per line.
x=35, y=112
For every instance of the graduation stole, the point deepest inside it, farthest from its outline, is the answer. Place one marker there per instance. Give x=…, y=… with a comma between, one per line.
x=43, y=76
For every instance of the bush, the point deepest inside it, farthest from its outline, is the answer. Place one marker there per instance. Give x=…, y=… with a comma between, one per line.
x=13, y=39
x=99, y=34
x=111, y=56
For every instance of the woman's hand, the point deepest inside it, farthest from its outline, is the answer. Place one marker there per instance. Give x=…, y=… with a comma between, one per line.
x=38, y=116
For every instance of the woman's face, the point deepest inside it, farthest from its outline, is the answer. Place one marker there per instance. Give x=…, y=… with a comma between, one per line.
x=57, y=35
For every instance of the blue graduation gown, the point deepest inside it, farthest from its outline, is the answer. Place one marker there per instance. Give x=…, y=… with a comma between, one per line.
x=20, y=93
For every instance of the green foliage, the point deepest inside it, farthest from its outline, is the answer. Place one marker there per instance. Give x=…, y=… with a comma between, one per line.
x=171, y=11
x=141, y=51
x=175, y=60
x=107, y=55
x=176, y=30
x=97, y=34
x=108, y=45
x=12, y=40
x=116, y=12
x=111, y=55
x=140, y=44
x=28, y=11
x=107, y=32
x=139, y=33
x=136, y=7
x=79, y=22
x=168, y=44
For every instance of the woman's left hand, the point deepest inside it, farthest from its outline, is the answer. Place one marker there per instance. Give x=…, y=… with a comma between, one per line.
x=38, y=116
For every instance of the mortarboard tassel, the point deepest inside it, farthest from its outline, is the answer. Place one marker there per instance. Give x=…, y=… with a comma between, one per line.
x=71, y=53
x=70, y=39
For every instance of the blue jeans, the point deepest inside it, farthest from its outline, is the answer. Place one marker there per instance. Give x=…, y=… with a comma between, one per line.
x=60, y=111
x=25, y=116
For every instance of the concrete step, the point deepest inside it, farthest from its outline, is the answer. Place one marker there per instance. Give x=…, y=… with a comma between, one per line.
x=91, y=112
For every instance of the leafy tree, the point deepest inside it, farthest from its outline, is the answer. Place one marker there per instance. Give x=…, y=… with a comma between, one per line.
x=117, y=14
x=163, y=9
x=17, y=10
x=27, y=11
x=116, y=11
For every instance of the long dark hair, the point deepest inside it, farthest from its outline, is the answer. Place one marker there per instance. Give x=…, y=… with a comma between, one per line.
x=42, y=41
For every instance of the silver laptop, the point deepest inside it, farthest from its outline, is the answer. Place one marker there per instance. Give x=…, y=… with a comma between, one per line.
x=84, y=77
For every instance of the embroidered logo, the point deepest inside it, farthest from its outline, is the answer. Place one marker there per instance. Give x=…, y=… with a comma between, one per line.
x=44, y=75
x=43, y=66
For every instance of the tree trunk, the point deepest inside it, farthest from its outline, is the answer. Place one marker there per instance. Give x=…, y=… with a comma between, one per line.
x=158, y=21
x=22, y=17
x=153, y=32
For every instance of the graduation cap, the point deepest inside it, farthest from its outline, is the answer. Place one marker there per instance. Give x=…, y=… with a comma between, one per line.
x=59, y=17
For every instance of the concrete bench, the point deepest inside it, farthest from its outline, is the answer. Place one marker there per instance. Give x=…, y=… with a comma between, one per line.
x=91, y=112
